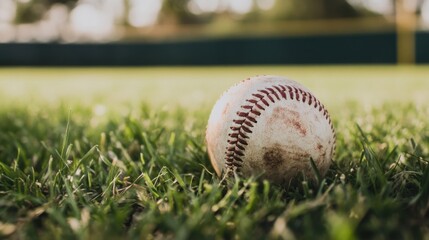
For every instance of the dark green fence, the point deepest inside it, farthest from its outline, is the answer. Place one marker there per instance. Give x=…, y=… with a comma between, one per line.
x=422, y=47
x=367, y=48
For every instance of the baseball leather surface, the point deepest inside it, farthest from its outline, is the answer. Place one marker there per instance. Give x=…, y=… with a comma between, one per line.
x=270, y=126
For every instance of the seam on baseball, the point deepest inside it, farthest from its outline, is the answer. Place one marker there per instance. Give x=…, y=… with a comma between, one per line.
x=247, y=117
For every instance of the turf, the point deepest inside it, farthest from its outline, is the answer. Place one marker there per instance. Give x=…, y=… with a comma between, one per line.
x=124, y=158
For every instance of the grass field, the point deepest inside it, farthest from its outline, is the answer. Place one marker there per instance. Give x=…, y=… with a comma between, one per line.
x=120, y=154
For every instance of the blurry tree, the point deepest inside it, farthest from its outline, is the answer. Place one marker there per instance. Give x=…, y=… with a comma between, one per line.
x=28, y=12
x=177, y=11
x=33, y=11
x=312, y=9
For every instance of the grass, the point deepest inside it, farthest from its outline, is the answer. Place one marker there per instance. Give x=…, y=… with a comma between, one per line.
x=109, y=166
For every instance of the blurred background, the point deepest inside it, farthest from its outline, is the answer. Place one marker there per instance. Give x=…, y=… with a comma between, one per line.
x=212, y=32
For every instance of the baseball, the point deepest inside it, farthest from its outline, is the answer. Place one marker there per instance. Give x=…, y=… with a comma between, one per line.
x=270, y=126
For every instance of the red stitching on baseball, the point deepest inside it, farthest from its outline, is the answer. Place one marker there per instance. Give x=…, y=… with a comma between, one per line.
x=257, y=113
x=280, y=91
x=248, y=123
x=242, y=141
x=238, y=137
x=258, y=95
x=246, y=129
x=274, y=92
x=252, y=119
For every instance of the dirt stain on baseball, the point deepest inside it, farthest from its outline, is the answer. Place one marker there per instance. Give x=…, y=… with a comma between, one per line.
x=277, y=158
x=273, y=157
x=276, y=155
x=290, y=118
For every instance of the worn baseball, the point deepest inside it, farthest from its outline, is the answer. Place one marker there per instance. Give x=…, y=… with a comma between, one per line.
x=270, y=126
